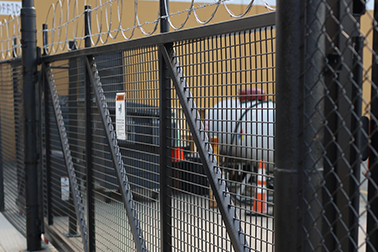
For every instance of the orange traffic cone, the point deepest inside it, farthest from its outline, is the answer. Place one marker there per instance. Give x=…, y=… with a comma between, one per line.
x=260, y=202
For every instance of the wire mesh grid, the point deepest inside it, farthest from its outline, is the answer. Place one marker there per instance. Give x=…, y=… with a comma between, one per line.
x=69, y=78
x=231, y=79
x=139, y=149
x=12, y=144
x=339, y=96
x=124, y=73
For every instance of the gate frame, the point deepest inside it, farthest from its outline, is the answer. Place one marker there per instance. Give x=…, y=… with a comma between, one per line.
x=162, y=40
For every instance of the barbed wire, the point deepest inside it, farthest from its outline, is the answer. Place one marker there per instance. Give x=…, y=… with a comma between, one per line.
x=65, y=23
x=103, y=15
x=10, y=32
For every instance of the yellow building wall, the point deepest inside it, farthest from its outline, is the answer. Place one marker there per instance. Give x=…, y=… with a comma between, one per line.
x=108, y=17
x=60, y=20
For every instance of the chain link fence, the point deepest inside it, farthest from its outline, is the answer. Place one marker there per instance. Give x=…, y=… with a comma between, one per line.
x=327, y=148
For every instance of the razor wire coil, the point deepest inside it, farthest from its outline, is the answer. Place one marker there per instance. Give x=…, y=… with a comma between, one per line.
x=65, y=21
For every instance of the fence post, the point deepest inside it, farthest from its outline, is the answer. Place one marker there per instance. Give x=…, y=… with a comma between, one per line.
x=313, y=103
x=341, y=175
x=165, y=142
x=288, y=140
x=1, y=166
x=372, y=214
x=88, y=140
x=29, y=70
x=72, y=121
x=47, y=134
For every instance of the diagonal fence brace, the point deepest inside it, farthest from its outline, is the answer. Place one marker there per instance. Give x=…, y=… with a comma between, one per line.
x=123, y=181
x=79, y=208
x=214, y=175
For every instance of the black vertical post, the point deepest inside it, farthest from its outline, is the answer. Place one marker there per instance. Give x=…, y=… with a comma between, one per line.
x=288, y=142
x=72, y=128
x=45, y=39
x=313, y=102
x=165, y=132
x=29, y=70
x=347, y=200
x=19, y=134
x=14, y=43
x=88, y=141
x=47, y=135
x=341, y=206
x=87, y=26
x=330, y=176
x=372, y=231
x=2, y=202
x=17, y=114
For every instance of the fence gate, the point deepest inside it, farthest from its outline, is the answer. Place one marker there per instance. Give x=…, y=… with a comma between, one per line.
x=143, y=151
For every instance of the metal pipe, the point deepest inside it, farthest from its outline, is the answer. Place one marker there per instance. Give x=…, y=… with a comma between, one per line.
x=2, y=202
x=165, y=136
x=88, y=141
x=29, y=70
x=47, y=131
x=288, y=127
x=87, y=26
x=313, y=90
x=45, y=39
x=72, y=127
x=372, y=231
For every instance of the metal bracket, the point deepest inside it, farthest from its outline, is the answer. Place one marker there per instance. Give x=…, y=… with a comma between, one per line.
x=214, y=175
x=79, y=209
x=334, y=64
x=123, y=181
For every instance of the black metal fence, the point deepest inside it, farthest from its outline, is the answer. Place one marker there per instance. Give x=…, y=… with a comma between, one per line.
x=183, y=141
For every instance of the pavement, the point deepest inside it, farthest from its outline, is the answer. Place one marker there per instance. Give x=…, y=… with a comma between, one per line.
x=11, y=240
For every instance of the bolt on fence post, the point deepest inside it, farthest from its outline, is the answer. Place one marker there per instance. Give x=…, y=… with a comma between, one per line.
x=288, y=141
x=88, y=140
x=372, y=231
x=29, y=70
x=165, y=142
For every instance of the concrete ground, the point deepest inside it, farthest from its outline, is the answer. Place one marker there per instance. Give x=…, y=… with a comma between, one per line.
x=11, y=240
x=192, y=223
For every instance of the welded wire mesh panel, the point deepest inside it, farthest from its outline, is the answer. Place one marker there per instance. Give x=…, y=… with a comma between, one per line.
x=340, y=97
x=12, y=139
x=232, y=83
x=59, y=206
x=133, y=75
